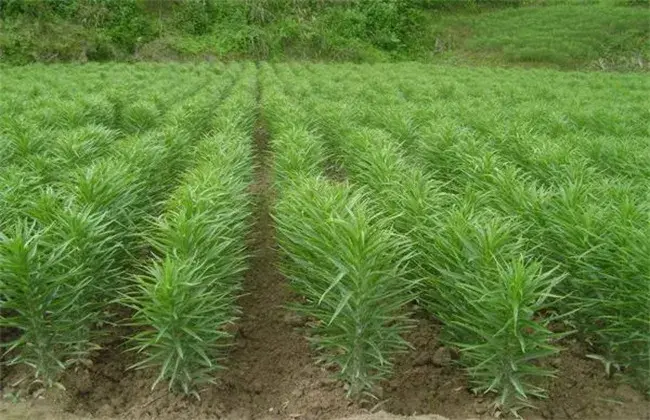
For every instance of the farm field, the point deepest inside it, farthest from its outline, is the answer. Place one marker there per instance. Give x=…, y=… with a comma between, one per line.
x=294, y=240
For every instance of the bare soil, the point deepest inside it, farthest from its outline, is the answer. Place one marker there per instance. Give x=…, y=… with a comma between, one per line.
x=272, y=376
x=427, y=381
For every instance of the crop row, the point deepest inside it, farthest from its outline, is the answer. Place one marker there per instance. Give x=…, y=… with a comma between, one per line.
x=517, y=249
x=69, y=243
x=340, y=256
x=187, y=295
x=45, y=132
x=515, y=213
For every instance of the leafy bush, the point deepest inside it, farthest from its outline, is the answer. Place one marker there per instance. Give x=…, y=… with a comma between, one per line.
x=194, y=17
x=391, y=24
x=43, y=9
x=605, y=36
x=127, y=24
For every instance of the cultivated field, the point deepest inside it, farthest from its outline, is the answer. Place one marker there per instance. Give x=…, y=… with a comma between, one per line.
x=316, y=240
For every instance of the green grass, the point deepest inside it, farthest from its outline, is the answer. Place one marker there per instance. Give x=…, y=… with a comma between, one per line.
x=598, y=36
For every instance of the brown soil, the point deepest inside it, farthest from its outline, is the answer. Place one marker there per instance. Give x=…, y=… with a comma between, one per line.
x=41, y=411
x=271, y=368
x=426, y=381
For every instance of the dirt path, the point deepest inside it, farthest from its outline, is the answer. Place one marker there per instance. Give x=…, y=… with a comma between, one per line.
x=272, y=371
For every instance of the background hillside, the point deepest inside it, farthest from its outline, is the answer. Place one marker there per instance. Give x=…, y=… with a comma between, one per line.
x=612, y=34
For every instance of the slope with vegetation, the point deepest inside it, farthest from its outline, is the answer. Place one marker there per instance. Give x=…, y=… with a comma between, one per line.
x=600, y=34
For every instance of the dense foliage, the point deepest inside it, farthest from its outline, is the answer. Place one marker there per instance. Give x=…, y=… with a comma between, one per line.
x=76, y=209
x=511, y=206
x=527, y=205
x=597, y=33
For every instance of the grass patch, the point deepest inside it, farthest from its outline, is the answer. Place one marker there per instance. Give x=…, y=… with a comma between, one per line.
x=563, y=36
